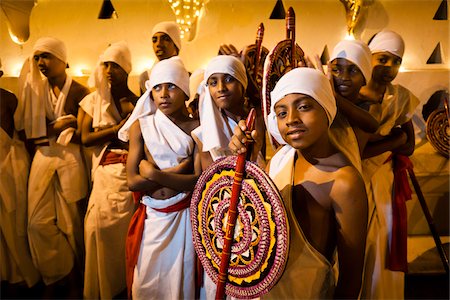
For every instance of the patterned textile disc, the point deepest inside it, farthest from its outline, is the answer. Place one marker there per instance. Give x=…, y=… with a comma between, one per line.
x=276, y=65
x=438, y=131
x=261, y=238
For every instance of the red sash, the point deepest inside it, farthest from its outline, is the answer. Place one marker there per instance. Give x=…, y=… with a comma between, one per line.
x=397, y=259
x=136, y=229
x=110, y=158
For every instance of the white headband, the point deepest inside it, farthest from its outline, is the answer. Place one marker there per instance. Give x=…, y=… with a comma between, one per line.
x=118, y=53
x=305, y=81
x=356, y=52
x=388, y=41
x=53, y=46
x=169, y=70
x=171, y=29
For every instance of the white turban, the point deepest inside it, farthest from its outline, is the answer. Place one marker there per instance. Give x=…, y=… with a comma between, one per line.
x=53, y=46
x=171, y=29
x=388, y=41
x=169, y=70
x=118, y=53
x=210, y=116
x=305, y=81
x=356, y=52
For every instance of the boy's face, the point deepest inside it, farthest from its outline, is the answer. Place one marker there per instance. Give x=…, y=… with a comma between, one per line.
x=114, y=73
x=385, y=67
x=169, y=98
x=226, y=91
x=301, y=120
x=49, y=65
x=347, y=78
x=163, y=46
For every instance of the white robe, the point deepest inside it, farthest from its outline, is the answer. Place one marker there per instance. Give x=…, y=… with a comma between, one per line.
x=57, y=181
x=109, y=212
x=308, y=274
x=15, y=257
x=166, y=263
x=396, y=108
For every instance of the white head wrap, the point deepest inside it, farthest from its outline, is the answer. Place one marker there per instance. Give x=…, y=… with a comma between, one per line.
x=118, y=53
x=169, y=70
x=171, y=29
x=53, y=46
x=356, y=52
x=305, y=81
x=388, y=41
x=210, y=115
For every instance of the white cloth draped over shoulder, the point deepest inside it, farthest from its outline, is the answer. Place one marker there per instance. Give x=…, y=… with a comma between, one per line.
x=166, y=264
x=308, y=274
x=15, y=257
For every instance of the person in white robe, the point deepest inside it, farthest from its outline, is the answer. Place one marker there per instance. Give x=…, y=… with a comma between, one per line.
x=166, y=41
x=323, y=193
x=16, y=264
x=110, y=205
x=164, y=267
x=393, y=107
x=47, y=111
x=351, y=68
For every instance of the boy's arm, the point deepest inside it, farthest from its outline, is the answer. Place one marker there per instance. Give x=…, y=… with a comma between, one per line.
x=394, y=140
x=357, y=116
x=350, y=207
x=178, y=182
x=408, y=147
x=135, y=154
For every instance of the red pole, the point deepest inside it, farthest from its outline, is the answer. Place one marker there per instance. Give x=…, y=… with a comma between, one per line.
x=232, y=214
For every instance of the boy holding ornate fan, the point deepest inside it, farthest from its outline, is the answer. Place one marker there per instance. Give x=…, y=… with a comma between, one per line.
x=323, y=193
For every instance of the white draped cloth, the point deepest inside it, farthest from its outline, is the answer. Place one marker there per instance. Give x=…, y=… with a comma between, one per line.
x=308, y=274
x=166, y=263
x=396, y=108
x=16, y=263
x=109, y=212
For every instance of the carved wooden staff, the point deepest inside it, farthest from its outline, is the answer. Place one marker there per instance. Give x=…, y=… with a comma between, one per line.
x=258, y=44
x=233, y=213
x=290, y=34
x=430, y=221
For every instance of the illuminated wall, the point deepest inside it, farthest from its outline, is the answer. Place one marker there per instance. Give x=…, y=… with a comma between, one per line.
x=318, y=23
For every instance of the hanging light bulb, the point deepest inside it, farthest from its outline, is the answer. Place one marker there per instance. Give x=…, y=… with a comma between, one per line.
x=187, y=13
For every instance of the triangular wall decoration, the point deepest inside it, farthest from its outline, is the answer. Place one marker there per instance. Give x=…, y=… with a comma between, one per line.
x=325, y=57
x=441, y=13
x=435, y=57
x=278, y=11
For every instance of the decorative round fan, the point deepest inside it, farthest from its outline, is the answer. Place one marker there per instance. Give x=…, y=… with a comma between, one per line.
x=261, y=238
x=438, y=131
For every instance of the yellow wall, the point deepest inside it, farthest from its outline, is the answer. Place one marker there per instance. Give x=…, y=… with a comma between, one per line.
x=319, y=22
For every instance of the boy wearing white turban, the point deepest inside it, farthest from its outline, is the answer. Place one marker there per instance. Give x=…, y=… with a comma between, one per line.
x=166, y=40
x=392, y=106
x=163, y=166
x=323, y=193
x=110, y=206
x=351, y=68
x=15, y=258
x=47, y=112
x=221, y=107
